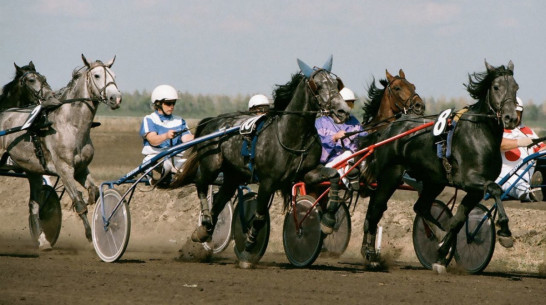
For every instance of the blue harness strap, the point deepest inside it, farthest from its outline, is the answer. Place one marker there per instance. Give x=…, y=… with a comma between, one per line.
x=250, y=134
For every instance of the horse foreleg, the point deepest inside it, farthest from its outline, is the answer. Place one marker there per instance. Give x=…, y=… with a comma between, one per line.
x=87, y=181
x=204, y=231
x=320, y=174
x=265, y=191
x=505, y=236
x=386, y=186
x=66, y=172
x=454, y=226
x=35, y=183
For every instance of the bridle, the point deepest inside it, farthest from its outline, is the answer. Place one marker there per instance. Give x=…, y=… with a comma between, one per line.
x=402, y=105
x=38, y=94
x=93, y=87
x=324, y=105
x=498, y=112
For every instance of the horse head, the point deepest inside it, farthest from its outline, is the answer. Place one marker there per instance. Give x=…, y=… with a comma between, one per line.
x=402, y=95
x=32, y=86
x=101, y=82
x=496, y=90
x=325, y=86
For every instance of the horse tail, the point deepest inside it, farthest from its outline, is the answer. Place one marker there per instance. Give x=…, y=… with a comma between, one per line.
x=188, y=171
x=286, y=191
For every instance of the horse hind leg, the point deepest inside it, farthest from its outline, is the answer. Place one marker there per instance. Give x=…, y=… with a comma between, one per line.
x=35, y=183
x=89, y=184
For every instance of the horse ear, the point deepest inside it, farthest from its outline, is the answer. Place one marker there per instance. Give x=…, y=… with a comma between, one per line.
x=511, y=66
x=340, y=84
x=305, y=69
x=17, y=69
x=328, y=64
x=31, y=65
x=401, y=73
x=488, y=66
x=85, y=61
x=111, y=62
x=388, y=75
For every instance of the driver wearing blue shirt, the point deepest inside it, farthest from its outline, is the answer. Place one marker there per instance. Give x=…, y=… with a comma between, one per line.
x=161, y=129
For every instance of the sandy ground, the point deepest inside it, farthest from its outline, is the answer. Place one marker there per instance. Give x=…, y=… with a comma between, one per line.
x=153, y=269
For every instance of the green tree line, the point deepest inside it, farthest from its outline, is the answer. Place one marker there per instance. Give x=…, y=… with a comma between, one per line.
x=198, y=106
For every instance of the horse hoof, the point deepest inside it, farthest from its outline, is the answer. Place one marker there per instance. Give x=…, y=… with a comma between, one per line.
x=327, y=223
x=326, y=229
x=439, y=268
x=201, y=235
x=246, y=265
x=43, y=243
x=506, y=241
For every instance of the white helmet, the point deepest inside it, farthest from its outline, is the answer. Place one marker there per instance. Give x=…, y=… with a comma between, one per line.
x=519, y=104
x=347, y=94
x=164, y=92
x=258, y=100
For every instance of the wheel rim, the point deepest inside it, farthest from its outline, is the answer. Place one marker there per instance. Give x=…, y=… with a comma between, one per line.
x=222, y=231
x=424, y=242
x=474, y=256
x=110, y=243
x=302, y=245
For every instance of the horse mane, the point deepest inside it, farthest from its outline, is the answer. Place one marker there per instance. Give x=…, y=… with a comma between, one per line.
x=76, y=74
x=371, y=105
x=480, y=82
x=282, y=94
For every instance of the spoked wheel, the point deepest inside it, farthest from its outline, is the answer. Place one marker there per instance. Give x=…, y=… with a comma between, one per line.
x=425, y=243
x=110, y=241
x=303, y=243
x=242, y=221
x=222, y=231
x=336, y=243
x=50, y=215
x=475, y=246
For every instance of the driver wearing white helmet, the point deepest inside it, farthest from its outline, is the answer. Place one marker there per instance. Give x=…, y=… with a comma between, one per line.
x=161, y=129
x=258, y=104
x=514, y=148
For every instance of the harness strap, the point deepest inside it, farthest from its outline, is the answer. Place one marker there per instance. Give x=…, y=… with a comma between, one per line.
x=445, y=145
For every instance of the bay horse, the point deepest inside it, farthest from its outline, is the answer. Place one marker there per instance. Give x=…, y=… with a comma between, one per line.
x=473, y=166
x=287, y=148
x=28, y=87
x=64, y=148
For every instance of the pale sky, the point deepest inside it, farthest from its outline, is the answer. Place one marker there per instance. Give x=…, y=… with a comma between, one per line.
x=246, y=47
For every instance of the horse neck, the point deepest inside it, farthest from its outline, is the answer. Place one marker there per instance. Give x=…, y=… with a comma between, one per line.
x=384, y=114
x=88, y=108
x=302, y=121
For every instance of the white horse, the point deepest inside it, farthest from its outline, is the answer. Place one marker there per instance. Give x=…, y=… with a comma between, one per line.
x=64, y=147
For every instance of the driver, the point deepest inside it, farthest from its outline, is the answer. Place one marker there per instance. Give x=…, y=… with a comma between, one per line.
x=514, y=148
x=258, y=104
x=335, y=147
x=161, y=130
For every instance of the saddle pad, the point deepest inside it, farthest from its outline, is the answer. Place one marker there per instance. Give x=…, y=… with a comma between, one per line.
x=249, y=126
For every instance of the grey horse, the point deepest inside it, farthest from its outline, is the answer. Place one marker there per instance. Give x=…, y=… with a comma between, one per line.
x=62, y=147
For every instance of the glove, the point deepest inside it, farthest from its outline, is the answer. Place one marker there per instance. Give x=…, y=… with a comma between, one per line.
x=524, y=142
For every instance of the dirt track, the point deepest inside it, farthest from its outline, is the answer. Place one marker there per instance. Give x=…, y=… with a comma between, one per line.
x=162, y=267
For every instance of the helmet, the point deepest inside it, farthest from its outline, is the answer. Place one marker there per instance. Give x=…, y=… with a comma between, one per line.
x=519, y=104
x=164, y=92
x=258, y=100
x=347, y=94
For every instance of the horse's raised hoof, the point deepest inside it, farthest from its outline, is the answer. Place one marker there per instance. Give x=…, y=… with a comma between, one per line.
x=201, y=235
x=43, y=243
x=439, y=268
x=506, y=241
x=327, y=223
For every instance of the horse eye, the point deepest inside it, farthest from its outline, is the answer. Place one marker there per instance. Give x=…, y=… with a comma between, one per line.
x=97, y=76
x=496, y=88
x=32, y=80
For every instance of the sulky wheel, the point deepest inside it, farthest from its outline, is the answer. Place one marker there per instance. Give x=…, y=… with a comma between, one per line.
x=303, y=243
x=475, y=246
x=425, y=243
x=110, y=237
x=336, y=243
x=242, y=221
x=50, y=215
x=222, y=230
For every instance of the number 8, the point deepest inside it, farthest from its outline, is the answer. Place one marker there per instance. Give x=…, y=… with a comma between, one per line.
x=441, y=122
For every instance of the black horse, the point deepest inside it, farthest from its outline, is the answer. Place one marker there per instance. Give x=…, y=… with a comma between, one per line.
x=473, y=166
x=287, y=147
x=27, y=88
